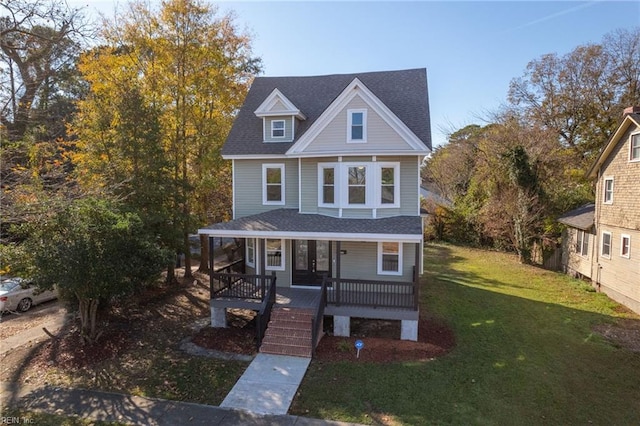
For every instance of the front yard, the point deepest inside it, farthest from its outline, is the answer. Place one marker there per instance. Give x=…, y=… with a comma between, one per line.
x=527, y=353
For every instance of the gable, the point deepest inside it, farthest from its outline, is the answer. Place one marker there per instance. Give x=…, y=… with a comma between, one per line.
x=278, y=104
x=386, y=132
x=630, y=124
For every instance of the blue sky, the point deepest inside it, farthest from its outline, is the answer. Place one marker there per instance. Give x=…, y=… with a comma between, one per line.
x=471, y=50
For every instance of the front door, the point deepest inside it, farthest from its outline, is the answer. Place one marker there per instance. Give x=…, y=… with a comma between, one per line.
x=311, y=260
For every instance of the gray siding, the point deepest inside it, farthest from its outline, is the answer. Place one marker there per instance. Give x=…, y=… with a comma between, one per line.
x=574, y=263
x=248, y=186
x=288, y=129
x=380, y=135
x=361, y=259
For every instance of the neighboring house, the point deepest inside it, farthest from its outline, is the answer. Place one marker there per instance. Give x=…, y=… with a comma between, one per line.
x=578, y=241
x=610, y=251
x=326, y=174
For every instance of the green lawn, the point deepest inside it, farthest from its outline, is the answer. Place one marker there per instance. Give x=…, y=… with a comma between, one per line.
x=525, y=354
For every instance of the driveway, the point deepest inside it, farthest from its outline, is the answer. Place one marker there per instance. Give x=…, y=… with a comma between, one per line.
x=18, y=329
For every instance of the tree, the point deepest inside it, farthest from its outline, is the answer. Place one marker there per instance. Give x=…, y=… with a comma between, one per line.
x=92, y=252
x=194, y=68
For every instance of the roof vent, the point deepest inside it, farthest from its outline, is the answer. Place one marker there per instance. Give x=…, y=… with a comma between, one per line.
x=631, y=110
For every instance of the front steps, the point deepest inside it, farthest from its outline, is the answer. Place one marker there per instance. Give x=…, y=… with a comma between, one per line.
x=289, y=333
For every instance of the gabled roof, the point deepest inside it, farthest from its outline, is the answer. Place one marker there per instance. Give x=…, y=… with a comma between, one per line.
x=581, y=218
x=628, y=120
x=268, y=107
x=403, y=92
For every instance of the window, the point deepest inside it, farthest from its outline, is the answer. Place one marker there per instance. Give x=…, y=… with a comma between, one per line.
x=606, y=245
x=328, y=185
x=625, y=246
x=634, y=154
x=608, y=190
x=273, y=184
x=277, y=129
x=388, y=185
x=357, y=126
x=389, y=258
x=250, y=244
x=275, y=254
x=357, y=185
x=582, y=243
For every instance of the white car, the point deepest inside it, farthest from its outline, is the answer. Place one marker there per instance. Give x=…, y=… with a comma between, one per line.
x=16, y=294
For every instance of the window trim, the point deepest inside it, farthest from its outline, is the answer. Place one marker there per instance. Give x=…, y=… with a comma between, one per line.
x=336, y=184
x=251, y=246
x=627, y=237
x=604, y=190
x=367, y=189
x=350, y=113
x=283, y=255
x=284, y=129
x=633, y=136
x=582, y=244
x=396, y=185
x=602, y=253
x=380, y=256
x=282, y=184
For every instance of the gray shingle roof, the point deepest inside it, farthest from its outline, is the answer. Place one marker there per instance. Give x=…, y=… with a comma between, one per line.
x=581, y=218
x=289, y=221
x=403, y=92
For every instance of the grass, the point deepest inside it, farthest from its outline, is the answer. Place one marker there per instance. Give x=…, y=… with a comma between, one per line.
x=525, y=354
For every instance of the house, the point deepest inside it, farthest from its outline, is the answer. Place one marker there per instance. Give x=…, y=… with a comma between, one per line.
x=605, y=245
x=326, y=173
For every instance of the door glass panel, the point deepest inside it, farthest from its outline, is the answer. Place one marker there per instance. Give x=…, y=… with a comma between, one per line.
x=322, y=255
x=302, y=255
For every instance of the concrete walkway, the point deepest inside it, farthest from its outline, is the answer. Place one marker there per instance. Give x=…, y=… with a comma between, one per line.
x=268, y=385
x=114, y=407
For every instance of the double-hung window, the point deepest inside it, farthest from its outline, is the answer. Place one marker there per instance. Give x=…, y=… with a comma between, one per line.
x=625, y=246
x=277, y=129
x=275, y=254
x=608, y=191
x=328, y=182
x=634, y=153
x=582, y=243
x=251, y=251
x=273, y=184
x=357, y=126
x=605, y=248
x=389, y=258
x=357, y=185
x=389, y=180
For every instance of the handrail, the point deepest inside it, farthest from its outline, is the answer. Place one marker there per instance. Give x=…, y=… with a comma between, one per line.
x=264, y=315
x=238, y=286
x=317, y=321
x=228, y=267
x=371, y=293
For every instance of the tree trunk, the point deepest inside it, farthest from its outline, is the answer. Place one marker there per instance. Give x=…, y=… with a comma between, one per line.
x=187, y=258
x=171, y=274
x=88, y=320
x=204, y=255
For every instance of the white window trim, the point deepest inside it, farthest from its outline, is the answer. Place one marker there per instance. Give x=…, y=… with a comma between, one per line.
x=606, y=256
x=604, y=189
x=336, y=184
x=253, y=247
x=396, y=185
x=284, y=129
x=622, y=238
x=400, y=266
x=631, y=159
x=367, y=186
x=264, y=183
x=350, y=113
x=283, y=256
x=582, y=250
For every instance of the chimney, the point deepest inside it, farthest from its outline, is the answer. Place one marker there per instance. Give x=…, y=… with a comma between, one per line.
x=631, y=110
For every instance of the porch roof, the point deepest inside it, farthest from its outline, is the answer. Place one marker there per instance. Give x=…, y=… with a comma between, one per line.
x=581, y=218
x=290, y=224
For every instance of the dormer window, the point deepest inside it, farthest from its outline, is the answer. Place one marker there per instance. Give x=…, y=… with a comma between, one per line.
x=277, y=129
x=357, y=126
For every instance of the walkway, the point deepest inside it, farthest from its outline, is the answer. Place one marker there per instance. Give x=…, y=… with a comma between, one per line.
x=268, y=385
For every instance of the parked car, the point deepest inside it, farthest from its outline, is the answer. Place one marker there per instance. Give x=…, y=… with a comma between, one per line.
x=17, y=294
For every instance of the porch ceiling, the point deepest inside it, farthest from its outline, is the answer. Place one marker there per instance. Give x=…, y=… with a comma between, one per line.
x=290, y=224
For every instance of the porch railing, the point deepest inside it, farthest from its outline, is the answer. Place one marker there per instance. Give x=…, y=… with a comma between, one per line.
x=317, y=321
x=239, y=286
x=264, y=315
x=236, y=266
x=370, y=293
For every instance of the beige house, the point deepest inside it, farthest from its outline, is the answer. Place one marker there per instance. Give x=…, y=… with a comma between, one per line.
x=609, y=252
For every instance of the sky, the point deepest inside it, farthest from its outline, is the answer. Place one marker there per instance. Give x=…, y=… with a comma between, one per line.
x=471, y=49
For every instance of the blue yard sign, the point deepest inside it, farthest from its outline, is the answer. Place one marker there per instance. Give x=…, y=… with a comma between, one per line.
x=359, y=345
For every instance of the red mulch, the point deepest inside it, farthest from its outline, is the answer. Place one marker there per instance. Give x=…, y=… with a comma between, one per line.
x=234, y=340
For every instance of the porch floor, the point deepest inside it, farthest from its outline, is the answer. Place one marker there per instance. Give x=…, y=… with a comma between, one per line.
x=285, y=297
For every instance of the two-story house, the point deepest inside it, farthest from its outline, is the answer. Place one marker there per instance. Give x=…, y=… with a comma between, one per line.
x=326, y=181
x=603, y=239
